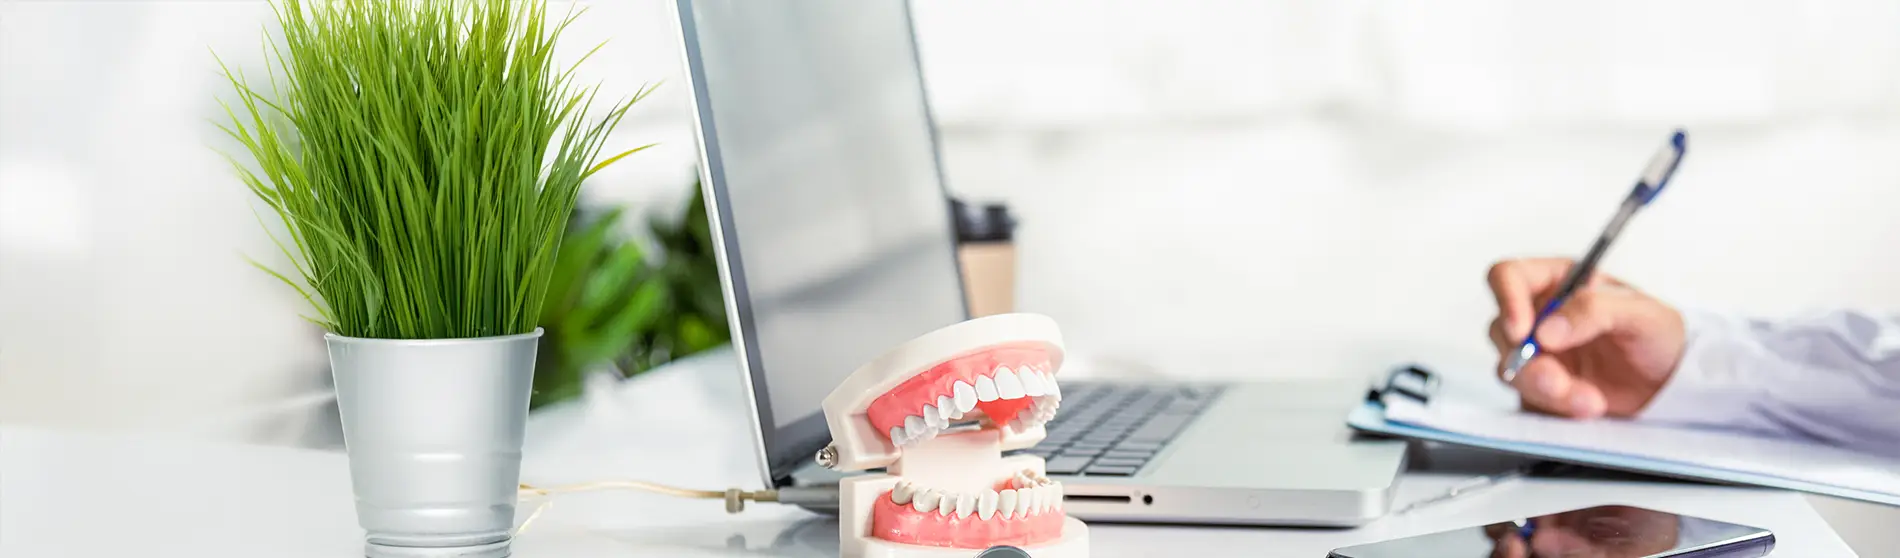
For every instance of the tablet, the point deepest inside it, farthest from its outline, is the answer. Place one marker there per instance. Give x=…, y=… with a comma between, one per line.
x=1598, y=532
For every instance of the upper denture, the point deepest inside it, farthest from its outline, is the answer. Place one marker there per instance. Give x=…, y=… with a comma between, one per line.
x=1007, y=383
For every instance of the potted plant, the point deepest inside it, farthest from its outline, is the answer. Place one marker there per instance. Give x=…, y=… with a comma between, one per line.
x=423, y=158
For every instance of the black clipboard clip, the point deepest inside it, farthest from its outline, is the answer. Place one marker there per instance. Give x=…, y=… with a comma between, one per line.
x=1410, y=380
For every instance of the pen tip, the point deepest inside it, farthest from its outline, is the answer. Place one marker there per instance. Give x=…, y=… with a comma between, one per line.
x=1514, y=363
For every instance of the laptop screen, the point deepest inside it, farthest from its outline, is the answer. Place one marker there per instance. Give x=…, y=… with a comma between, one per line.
x=821, y=165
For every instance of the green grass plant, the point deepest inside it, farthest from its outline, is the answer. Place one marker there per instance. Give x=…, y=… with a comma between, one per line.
x=423, y=157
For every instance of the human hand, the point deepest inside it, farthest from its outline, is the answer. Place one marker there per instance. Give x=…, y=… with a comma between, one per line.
x=1599, y=532
x=1506, y=542
x=1606, y=352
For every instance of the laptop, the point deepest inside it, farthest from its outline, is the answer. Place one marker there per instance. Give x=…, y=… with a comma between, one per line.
x=831, y=222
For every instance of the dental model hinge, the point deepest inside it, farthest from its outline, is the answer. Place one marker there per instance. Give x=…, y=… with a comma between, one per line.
x=828, y=457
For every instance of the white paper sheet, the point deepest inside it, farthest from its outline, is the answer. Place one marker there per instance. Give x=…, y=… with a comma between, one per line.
x=1786, y=459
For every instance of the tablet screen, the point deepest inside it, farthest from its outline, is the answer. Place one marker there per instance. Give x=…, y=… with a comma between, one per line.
x=1599, y=532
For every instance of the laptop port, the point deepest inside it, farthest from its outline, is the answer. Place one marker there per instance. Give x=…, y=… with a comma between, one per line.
x=1098, y=498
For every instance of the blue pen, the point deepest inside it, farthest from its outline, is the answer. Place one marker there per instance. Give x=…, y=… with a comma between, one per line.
x=1661, y=167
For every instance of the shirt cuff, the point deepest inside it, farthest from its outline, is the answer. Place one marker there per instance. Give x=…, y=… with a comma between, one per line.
x=1712, y=385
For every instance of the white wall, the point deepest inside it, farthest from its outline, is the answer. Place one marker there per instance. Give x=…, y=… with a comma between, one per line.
x=1208, y=188
x=1304, y=188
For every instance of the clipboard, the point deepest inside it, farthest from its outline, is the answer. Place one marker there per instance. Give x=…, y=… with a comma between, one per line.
x=1822, y=469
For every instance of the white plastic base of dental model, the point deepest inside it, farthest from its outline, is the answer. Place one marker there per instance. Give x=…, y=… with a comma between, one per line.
x=858, y=495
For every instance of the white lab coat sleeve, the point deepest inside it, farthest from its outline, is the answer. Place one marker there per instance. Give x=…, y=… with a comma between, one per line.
x=1832, y=378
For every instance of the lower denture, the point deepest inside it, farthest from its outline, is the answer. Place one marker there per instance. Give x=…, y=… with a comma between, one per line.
x=905, y=524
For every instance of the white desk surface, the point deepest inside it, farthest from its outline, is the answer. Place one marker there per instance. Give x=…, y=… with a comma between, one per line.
x=91, y=494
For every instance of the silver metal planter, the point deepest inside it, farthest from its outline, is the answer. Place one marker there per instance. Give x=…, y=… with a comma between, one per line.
x=434, y=429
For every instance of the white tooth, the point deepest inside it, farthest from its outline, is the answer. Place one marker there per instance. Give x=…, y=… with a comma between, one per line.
x=1021, y=480
x=1049, y=384
x=1025, y=501
x=915, y=425
x=897, y=435
x=966, y=503
x=966, y=396
x=986, y=504
x=948, y=407
x=1006, y=503
x=934, y=418
x=1008, y=386
x=1037, y=500
x=1032, y=382
x=903, y=493
x=1059, y=494
x=949, y=504
x=985, y=388
x=1048, y=497
x=926, y=500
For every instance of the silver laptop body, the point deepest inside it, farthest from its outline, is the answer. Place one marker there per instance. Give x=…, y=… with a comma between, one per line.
x=820, y=168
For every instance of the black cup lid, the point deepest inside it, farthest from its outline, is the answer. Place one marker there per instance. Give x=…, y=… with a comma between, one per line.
x=988, y=222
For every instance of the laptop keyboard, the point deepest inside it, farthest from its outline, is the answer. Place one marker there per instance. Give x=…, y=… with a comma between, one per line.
x=1113, y=429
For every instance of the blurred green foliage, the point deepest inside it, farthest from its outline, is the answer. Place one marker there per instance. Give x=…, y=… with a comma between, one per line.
x=611, y=302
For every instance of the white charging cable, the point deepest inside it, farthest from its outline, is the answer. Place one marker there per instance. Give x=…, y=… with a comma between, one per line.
x=824, y=497
x=819, y=497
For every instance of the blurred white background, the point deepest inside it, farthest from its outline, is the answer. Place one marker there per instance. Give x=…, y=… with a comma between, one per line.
x=1210, y=188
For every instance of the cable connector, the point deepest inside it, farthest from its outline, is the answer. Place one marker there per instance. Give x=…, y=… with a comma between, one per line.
x=735, y=498
x=816, y=498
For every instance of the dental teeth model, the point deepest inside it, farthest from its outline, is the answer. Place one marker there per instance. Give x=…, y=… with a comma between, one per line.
x=937, y=413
